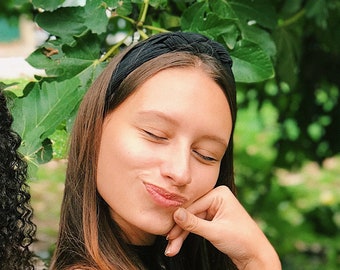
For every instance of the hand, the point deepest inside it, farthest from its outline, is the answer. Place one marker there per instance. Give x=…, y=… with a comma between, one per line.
x=220, y=218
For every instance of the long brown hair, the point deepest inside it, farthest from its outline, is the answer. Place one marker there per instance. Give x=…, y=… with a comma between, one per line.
x=88, y=236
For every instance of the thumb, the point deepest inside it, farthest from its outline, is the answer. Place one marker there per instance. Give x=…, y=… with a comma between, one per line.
x=188, y=221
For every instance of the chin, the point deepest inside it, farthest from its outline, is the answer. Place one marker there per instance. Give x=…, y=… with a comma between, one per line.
x=161, y=227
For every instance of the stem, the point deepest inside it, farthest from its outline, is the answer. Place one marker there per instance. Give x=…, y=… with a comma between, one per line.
x=112, y=49
x=141, y=19
x=155, y=28
x=132, y=21
x=293, y=19
x=142, y=34
x=143, y=13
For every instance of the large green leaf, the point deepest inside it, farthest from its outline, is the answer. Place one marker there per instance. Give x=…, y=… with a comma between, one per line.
x=65, y=23
x=260, y=37
x=194, y=16
x=249, y=45
x=288, y=48
x=95, y=17
x=247, y=17
x=69, y=60
x=251, y=63
x=39, y=60
x=198, y=18
x=230, y=36
x=223, y=9
x=37, y=115
x=260, y=12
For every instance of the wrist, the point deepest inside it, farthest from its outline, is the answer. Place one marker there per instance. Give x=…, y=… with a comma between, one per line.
x=265, y=259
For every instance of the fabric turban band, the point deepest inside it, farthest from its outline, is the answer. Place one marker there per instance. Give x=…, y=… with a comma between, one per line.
x=166, y=43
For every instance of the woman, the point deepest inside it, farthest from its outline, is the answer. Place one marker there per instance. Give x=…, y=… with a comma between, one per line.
x=16, y=227
x=164, y=111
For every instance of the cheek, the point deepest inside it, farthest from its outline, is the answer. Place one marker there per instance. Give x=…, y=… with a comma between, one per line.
x=123, y=155
x=205, y=181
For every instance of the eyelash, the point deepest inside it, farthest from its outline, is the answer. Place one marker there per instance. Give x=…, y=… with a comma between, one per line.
x=152, y=135
x=205, y=158
x=159, y=138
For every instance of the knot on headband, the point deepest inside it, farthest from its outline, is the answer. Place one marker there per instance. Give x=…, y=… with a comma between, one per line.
x=165, y=43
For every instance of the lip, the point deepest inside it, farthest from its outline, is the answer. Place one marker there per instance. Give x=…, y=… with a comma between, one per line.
x=163, y=197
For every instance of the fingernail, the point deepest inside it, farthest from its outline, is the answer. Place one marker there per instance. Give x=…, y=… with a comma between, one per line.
x=181, y=215
x=167, y=251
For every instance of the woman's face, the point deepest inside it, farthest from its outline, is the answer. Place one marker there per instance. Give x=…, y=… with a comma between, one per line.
x=161, y=149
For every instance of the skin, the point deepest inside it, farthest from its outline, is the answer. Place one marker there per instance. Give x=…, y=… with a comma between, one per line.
x=220, y=218
x=171, y=135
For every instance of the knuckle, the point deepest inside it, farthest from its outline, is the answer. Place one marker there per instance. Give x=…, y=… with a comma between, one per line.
x=192, y=224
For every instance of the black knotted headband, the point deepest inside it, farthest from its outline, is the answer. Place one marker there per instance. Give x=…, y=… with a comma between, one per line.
x=164, y=43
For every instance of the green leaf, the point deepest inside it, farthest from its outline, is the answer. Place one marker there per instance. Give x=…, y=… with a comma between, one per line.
x=45, y=153
x=87, y=48
x=65, y=23
x=73, y=60
x=223, y=9
x=288, y=48
x=230, y=36
x=62, y=68
x=60, y=140
x=198, y=18
x=249, y=15
x=49, y=5
x=260, y=12
x=47, y=104
x=37, y=115
x=88, y=75
x=194, y=15
x=260, y=37
x=214, y=26
x=123, y=8
x=39, y=60
x=158, y=3
x=251, y=63
x=169, y=21
x=95, y=16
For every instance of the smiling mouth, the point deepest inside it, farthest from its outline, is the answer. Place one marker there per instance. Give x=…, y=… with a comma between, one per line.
x=164, y=197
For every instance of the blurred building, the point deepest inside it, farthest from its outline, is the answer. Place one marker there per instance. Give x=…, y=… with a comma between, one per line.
x=19, y=37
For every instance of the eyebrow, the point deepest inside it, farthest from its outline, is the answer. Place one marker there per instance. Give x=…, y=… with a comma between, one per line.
x=168, y=118
x=158, y=115
x=216, y=139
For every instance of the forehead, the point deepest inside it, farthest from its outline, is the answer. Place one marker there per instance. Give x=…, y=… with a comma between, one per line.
x=192, y=83
x=188, y=96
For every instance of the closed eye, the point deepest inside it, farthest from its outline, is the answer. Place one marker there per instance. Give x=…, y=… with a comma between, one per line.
x=205, y=157
x=154, y=136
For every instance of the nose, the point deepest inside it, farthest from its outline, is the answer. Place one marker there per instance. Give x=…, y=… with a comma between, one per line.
x=176, y=166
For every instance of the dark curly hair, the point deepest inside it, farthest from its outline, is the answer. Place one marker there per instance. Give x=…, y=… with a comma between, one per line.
x=17, y=230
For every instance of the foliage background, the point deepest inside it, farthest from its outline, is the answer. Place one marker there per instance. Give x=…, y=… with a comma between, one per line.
x=286, y=63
